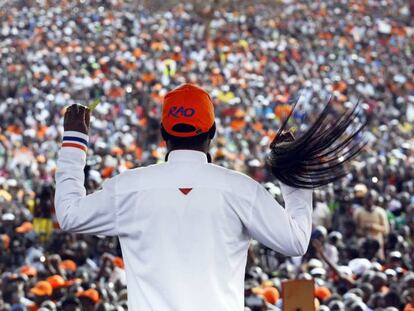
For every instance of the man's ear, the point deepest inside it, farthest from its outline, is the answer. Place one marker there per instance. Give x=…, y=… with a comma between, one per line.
x=212, y=131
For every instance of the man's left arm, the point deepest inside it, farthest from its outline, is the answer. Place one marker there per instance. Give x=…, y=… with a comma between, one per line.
x=75, y=211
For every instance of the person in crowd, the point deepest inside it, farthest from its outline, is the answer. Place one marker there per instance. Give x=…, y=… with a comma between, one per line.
x=254, y=60
x=372, y=221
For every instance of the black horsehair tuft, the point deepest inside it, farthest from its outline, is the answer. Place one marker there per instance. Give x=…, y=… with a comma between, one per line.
x=319, y=156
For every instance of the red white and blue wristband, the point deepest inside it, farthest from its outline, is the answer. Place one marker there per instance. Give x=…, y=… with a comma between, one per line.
x=75, y=139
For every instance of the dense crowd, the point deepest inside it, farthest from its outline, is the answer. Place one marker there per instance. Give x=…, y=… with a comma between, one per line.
x=255, y=62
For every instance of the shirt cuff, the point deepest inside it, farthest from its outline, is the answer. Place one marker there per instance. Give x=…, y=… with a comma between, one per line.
x=74, y=139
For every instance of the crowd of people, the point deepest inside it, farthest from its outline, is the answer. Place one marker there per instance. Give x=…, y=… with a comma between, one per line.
x=255, y=61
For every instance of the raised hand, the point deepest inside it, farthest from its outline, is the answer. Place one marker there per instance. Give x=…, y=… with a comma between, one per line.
x=77, y=118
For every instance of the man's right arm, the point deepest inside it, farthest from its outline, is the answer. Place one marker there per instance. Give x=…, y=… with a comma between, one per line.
x=285, y=230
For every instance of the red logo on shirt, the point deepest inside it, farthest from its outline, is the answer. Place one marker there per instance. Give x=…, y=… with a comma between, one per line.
x=185, y=191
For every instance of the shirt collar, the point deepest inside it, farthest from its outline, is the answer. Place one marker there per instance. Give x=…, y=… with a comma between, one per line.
x=187, y=156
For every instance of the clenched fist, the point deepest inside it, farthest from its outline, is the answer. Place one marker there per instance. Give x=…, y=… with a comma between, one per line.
x=77, y=118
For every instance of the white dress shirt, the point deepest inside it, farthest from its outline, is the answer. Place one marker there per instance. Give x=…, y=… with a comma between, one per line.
x=184, y=250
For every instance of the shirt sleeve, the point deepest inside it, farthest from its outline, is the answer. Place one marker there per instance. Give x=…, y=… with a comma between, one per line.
x=285, y=230
x=75, y=211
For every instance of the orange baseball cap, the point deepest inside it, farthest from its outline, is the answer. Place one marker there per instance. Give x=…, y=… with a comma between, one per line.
x=91, y=293
x=270, y=294
x=68, y=264
x=56, y=281
x=322, y=293
x=118, y=262
x=28, y=270
x=187, y=111
x=25, y=227
x=42, y=288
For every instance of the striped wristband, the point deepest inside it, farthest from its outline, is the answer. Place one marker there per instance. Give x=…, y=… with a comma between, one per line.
x=75, y=140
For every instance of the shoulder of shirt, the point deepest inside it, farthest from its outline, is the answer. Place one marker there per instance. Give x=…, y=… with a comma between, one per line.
x=217, y=169
x=133, y=176
x=232, y=173
x=140, y=171
x=226, y=179
x=235, y=181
